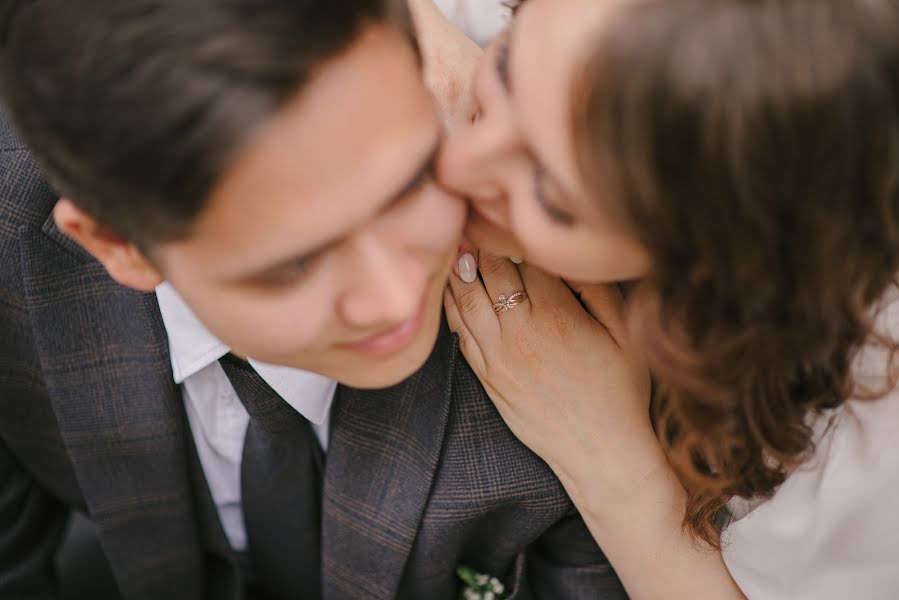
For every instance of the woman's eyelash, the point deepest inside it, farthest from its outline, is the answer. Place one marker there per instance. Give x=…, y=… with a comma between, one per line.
x=502, y=60
x=556, y=214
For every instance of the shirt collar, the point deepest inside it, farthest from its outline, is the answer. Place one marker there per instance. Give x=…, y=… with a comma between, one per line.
x=192, y=348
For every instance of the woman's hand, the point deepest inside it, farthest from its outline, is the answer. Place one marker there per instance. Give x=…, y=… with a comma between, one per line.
x=570, y=385
x=561, y=372
x=450, y=59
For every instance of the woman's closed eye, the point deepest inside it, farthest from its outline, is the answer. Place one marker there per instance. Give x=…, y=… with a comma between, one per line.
x=556, y=214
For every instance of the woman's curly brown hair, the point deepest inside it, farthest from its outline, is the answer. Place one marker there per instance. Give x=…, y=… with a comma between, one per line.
x=752, y=146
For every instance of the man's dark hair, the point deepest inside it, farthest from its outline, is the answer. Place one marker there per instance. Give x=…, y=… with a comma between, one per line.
x=135, y=108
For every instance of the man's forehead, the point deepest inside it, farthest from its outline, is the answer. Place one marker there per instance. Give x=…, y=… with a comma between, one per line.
x=347, y=146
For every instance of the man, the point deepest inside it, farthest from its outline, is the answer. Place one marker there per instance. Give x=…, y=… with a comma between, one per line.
x=249, y=253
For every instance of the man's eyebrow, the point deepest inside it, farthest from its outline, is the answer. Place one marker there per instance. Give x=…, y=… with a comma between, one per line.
x=273, y=271
x=425, y=169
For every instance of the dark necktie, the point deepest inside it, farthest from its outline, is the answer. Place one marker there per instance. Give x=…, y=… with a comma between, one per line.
x=281, y=483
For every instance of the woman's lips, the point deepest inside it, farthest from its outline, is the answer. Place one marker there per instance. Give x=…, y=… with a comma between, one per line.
x=393, y=339
x=486, y=216
x=486, y=235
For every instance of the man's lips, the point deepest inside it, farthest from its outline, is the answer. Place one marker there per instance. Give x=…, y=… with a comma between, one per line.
x=393, y=339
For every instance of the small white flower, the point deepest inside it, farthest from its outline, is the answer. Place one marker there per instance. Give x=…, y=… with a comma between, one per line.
x=497, y=586
x=479, y=586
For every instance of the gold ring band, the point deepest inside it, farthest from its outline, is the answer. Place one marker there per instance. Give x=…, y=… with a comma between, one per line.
x=503, y=304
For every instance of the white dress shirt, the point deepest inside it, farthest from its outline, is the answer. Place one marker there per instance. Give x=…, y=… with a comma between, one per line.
x=218, y=420
x=831, y=531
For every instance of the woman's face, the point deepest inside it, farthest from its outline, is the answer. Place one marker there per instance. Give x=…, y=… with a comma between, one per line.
x=517, y=162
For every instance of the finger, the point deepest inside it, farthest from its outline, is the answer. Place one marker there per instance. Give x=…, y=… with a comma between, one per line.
x=543, y=288
x=467, y=342
x=501, y=278
x=606, y=304
x=475, y=310
x=466, y=266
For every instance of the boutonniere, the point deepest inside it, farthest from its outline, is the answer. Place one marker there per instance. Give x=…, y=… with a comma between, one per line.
x=479, y=586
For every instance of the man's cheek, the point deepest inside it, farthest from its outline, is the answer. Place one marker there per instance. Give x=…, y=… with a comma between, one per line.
x=267, y=331
x=441, y=223
x=288, y=334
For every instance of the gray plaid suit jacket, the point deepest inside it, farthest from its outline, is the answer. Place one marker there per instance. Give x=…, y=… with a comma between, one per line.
x=420, y=478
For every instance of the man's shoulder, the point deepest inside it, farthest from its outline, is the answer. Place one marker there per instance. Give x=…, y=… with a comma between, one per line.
x=478, y=435
x=26, y=201
x=8, y=138
x=25, y=196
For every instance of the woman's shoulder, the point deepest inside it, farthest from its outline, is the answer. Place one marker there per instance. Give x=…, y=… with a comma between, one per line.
x=830, y=531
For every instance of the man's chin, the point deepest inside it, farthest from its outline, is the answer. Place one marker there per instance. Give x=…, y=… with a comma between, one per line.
x=371, y=372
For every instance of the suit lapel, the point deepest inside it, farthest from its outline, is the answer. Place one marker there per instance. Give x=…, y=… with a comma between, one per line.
x=385, y=447
x=104, y=355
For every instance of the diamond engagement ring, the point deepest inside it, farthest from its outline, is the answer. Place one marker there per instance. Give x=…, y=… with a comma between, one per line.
x=503, y=304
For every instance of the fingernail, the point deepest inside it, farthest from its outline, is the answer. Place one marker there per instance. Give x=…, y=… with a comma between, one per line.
x=516, y=260
x=468, y=268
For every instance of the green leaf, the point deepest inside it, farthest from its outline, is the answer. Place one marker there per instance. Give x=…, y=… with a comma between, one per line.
x=468, y=575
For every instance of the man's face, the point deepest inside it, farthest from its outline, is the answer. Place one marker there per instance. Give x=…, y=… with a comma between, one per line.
x=326, y=245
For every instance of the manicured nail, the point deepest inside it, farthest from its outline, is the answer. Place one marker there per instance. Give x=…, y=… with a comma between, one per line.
x=516, y=260
x=468, y=268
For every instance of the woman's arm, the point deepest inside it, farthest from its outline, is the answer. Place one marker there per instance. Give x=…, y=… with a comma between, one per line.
x=634, y=507
x=449, y=58
x=573, y=389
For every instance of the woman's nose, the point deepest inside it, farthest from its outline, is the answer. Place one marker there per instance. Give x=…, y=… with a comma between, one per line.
x=470, y=162
x=472, y=157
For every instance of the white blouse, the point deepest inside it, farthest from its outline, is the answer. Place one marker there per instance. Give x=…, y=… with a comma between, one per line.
x=831, y=531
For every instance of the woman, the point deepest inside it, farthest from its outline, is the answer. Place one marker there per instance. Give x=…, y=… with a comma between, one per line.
x=740, y=161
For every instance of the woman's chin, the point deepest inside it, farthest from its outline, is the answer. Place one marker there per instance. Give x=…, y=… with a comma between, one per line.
x=490, y=238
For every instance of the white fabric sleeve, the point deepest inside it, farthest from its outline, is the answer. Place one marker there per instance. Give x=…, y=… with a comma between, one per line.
x=831, y=531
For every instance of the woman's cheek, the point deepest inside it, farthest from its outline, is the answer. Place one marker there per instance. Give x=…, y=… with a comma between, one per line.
x=486, y=236
x=547, y=245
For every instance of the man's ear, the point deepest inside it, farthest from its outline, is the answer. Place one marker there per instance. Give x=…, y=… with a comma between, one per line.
x=123, y=260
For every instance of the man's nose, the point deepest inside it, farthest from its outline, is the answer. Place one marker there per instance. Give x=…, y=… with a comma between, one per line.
x=387, y=286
